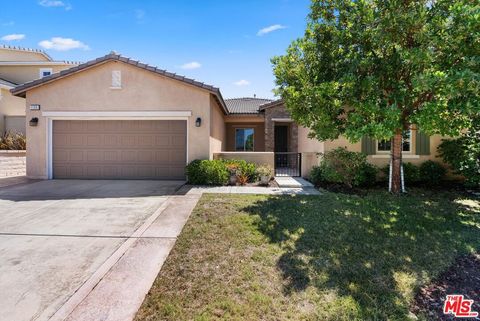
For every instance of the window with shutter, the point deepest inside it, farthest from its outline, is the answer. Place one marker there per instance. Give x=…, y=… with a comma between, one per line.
x=422, y=141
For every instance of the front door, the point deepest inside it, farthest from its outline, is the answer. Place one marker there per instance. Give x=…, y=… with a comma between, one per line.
x=281, y=139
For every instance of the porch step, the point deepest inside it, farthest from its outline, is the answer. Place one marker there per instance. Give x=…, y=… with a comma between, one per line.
x=288, y=181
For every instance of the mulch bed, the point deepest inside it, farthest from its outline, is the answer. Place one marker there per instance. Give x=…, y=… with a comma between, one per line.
x=463, y=277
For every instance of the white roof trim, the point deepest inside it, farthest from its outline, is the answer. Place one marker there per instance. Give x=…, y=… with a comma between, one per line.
x=37, y=63
x=123, y=114
x=6, y=86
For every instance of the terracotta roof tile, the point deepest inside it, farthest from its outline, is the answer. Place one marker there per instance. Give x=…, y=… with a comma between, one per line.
x=245, y=105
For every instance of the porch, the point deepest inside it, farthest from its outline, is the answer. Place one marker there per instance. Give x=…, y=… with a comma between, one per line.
x=264, y=133
x=273, y=142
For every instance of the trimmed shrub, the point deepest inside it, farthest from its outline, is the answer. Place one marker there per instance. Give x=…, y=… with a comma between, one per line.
x=207, y=172
x=316, y=175
x=344, y=167
x=218, y=171
x=463, y=154
x=243, y=168
x=432, y=172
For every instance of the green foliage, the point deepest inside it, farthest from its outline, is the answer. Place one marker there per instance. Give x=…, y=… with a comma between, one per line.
x=344, y=167
x=13, y=141
x=243, y=168
x=432, y=172
x=217, y=172
x=207, y=172
x=316, y=175
x=463, y=154
x=371, y=68
x=264, y=170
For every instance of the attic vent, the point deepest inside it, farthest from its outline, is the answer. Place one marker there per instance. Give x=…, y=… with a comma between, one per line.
x=116, y=79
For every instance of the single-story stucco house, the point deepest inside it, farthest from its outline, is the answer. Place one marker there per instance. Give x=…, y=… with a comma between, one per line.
x=115, y=117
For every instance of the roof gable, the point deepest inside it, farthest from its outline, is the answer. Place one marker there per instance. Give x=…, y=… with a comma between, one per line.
x=36, y=52
x=22, y=89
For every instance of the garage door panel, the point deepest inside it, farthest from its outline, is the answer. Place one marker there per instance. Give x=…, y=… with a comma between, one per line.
x=77, y=125
x=128, y=156
x=145, y=149
x=145, y=156
x=146, y=141
x=178, y=141
x=60, y=156
x=77, y=140
x=95, y=156
x=176, y=156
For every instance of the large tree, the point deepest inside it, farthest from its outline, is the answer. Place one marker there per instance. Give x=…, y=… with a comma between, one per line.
x=371, y=68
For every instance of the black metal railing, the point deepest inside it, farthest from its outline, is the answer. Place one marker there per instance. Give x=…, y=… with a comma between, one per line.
x=288, y=164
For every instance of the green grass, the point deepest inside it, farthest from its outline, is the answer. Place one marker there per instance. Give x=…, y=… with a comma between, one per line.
x=329, y=257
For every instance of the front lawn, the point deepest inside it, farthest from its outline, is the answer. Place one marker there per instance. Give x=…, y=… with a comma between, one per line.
x=328, y=257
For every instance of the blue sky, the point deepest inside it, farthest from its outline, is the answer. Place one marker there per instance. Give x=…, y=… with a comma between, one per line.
x=218, y=42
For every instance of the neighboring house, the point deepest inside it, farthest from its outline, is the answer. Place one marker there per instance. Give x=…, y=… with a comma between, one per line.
x=114, y=117
x=18, y=66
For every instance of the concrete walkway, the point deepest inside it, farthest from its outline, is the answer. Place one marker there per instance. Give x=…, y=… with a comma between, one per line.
x=199, y=190
x=296, y=182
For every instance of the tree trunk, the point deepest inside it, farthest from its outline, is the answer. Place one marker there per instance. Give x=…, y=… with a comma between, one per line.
x=396, y=156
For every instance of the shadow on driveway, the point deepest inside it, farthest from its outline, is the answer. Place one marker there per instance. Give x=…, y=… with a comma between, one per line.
x=88, y=189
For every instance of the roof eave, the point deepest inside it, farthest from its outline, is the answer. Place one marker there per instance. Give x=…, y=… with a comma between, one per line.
x=271, y=104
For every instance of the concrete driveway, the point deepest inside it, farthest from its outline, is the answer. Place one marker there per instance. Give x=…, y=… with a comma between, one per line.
x=54, y=235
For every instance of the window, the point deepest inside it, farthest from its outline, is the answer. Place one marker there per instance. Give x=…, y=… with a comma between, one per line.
x=44, y=72
x=386, y=145
x=244, y=139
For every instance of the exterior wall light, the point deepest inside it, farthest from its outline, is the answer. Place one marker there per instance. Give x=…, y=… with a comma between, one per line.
x=34, y=121
x=198, y=122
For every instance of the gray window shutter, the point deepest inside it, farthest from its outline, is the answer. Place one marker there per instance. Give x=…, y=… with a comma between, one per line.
x=368, y=145
x=422, y=143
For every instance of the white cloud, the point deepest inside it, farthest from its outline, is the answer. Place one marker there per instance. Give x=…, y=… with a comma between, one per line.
x=269, y=29
x=12, y=37
x=8, y=23
x=191, y=65
x=242, y=82
x=54, y=3
x=62, y=44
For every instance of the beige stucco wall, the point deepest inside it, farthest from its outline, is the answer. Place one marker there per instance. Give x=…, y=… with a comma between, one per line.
x=218, y=135
x=259, y=158
x=141, y=91
x=245, y=118
x=310, y=148
x=10, y=106
x=22, y=74
x=21, y=55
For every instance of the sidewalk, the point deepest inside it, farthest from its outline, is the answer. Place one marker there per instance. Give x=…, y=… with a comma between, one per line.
x=198, y=190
